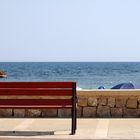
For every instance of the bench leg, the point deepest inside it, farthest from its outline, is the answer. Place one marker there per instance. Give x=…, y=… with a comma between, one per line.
x=74, y=113
x=73, y=121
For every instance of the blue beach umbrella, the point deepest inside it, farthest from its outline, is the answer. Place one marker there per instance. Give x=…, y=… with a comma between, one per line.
x=101, y=87
x=124, y=86
x=137, y=86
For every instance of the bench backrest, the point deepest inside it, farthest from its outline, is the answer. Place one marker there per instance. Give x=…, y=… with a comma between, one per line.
x=60, y=89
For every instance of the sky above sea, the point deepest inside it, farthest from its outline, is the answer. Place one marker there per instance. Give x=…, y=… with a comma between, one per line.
x=69, y=30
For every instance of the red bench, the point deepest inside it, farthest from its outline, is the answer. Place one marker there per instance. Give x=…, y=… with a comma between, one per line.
x=52, y=89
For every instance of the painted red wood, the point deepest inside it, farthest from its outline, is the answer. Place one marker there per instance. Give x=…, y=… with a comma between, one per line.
x=34, y=107
x=35, y=92
x=36, y=84
x=35, y=102
x=39, y=89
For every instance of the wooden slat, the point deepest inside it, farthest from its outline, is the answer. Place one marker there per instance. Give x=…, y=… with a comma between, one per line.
x=36, y=84
x=35, y=103
x=35, y=92
x=34, y=107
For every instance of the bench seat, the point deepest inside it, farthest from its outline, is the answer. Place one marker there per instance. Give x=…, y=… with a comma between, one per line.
x=54, y=91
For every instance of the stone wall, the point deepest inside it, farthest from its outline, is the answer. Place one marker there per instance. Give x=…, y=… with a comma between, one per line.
x=109, y=103
x=91, y=104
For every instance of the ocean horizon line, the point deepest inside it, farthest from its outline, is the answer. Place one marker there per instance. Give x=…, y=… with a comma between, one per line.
x=69, y=61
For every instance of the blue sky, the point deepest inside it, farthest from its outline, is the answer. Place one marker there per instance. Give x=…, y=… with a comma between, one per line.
x=69, y=30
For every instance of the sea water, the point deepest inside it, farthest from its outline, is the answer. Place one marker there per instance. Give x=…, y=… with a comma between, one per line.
x=88, y=75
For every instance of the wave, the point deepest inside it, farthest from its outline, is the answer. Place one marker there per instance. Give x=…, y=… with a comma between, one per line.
x=79, y=88
x=83, y=89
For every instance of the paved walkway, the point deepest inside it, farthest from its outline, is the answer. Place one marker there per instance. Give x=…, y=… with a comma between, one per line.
x=40, y=129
